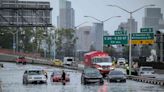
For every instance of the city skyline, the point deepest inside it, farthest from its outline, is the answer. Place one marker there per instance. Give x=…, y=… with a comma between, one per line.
x=99, y=10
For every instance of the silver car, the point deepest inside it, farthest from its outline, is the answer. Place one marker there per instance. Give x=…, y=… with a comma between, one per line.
x=34, y=76
x=146, y=71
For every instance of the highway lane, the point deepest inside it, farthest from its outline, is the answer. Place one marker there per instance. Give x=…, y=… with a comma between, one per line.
x=11, y=77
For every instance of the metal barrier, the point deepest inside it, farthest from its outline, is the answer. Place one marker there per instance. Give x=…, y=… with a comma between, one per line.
x=147, y=80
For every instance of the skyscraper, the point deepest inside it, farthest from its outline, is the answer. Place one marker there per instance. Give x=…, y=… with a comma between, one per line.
x=126, y=26
x=97, y=32
x=153, y=18
x=66, y=18
x=84, y=38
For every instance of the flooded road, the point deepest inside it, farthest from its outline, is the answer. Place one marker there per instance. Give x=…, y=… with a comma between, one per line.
x=11, y=77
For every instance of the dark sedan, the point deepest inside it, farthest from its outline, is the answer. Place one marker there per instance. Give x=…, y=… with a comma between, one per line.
x=91, y=75
x=116, y=76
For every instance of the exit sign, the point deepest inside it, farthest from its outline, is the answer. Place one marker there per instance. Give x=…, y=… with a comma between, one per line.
x=120, y=32
x=146, y=30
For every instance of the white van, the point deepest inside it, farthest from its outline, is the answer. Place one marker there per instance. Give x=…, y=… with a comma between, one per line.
x=121, y=61
x=68, y=60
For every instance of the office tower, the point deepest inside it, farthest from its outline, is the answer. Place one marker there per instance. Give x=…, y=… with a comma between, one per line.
x=97, y=38
x=126, y=26
x=153, y=18
x=84, y=38
x=66, y=18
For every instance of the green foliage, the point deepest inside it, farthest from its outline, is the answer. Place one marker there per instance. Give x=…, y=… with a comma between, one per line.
x=65, y=42
x=29, y=37
x=145, y=50
x=110, y=50
x=5, y=38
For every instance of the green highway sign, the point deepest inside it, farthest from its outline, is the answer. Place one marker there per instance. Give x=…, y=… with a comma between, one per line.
x=146, y=30
x=122, y=32
x=142, y=36
x=115, y=40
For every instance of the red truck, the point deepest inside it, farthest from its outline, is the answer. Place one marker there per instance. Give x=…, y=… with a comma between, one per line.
x=100, y=60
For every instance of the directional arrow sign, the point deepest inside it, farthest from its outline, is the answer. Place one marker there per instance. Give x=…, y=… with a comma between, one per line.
x=142, y=36
x=146, y=42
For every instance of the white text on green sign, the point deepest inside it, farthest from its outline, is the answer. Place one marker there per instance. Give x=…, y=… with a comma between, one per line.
x=146, y=30
x=142, y=36
x=120, y=32
x=115, y=40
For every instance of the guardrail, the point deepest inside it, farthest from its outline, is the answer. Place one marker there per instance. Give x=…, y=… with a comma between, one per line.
x=12, y=58
x=146, y=80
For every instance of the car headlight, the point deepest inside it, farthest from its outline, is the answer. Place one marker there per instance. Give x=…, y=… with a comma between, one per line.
x=86, y=76
x=100, y=76
x=124, y=77
x=109, y=77
x=100, y=68
x=29, y=77
x=111, y=68
x=44, y=77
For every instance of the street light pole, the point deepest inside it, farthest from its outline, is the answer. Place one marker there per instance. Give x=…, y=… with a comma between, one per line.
x=130, y=31
x=102, y=23
x=14, y=40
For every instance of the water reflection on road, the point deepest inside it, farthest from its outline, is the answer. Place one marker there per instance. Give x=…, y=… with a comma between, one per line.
x=11, y=77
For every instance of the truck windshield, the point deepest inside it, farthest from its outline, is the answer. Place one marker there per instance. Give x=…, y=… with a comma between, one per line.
x=69, y=60
x=101, y=59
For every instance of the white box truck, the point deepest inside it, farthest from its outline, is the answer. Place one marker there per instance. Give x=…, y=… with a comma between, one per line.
x=68, y=61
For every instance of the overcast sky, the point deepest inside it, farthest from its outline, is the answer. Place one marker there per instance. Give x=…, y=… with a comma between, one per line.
x=100, y=10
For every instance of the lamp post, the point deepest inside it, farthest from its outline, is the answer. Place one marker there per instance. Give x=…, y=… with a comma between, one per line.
x=102, y=23
x=14, y=40
x=130, y=31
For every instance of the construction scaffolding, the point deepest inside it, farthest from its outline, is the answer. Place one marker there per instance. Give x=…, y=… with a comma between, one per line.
x=14, y=13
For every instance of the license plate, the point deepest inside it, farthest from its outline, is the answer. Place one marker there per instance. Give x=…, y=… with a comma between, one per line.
x=118, y=80
x=37, y=78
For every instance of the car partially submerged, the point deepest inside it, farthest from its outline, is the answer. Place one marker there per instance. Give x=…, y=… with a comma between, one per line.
x=146, y=71
x=34, y=76
x=116, y=76
x=21, y=59
x=91, y=75
x=56, y=76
